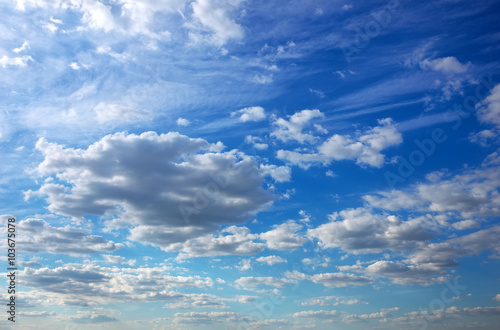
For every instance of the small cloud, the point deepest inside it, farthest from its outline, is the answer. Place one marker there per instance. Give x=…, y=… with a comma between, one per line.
x=183, y=121
x=24, y=46
x=263, y=79
x=271, y=260
x=497, y=297
x=331, y=174
x=245, y=264
x=250, y=114
x=346, y=6
x=74, y=66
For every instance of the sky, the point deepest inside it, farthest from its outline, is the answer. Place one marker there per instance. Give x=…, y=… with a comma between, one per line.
x=211, y=164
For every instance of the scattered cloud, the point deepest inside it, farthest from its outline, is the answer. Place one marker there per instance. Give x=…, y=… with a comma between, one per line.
x=250, y=114
x=447, y=65
x=271, y=260
x=365, y=148
x=218, y=187
x=292, y=129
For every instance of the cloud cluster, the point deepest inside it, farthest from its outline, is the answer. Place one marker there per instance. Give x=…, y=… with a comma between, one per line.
x=293, y=129
x=363, y=231
x=365, y=148
x=168, y=187
x=39, y=236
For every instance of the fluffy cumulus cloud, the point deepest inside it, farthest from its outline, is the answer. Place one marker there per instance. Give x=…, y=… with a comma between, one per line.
x=6, y=61
x=183, y=121
x=250, y=114
x=252, y=282
x=212, y=20
x=364, y=148
x=472, y=193
x=168, y=187
x=271, y=260
x=116, y=112
x=135, y=16
x=39, y=236
x=293, y=129
x=285, y=236
x=363, y=231
x=331, y=280
x=230, y=241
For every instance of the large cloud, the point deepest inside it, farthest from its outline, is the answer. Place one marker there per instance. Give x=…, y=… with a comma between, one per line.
x=169, y=187
x=363, y=231
x=472, y=193
x=86, y=284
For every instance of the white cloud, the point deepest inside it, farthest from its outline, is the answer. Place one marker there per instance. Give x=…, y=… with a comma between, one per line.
x=271, y=260
x=215, y=17
x=441, y=315
x=400, y=273
x=107, y=112
x=39, y=236
x=93, y=319
x=465, y=224
x=118, y=260
x=263, y=79
x=257, y=142
x=469, y=194
x=363, y=231
x=252, y=282
x=278, y=173
x=230, y=241
x=497, y=297
x=250, y=114
x=284, y=236
x=365, y=148
x=20, y=62
x=245, y=264
x=183, y=121
x=448, y=65
x=135, y=17
x=292, y=129
x=331, y=280
x=24, y=46
x=488, y=111
x=217, y=188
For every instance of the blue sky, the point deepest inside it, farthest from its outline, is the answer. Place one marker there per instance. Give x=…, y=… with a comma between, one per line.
x=252, y=165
